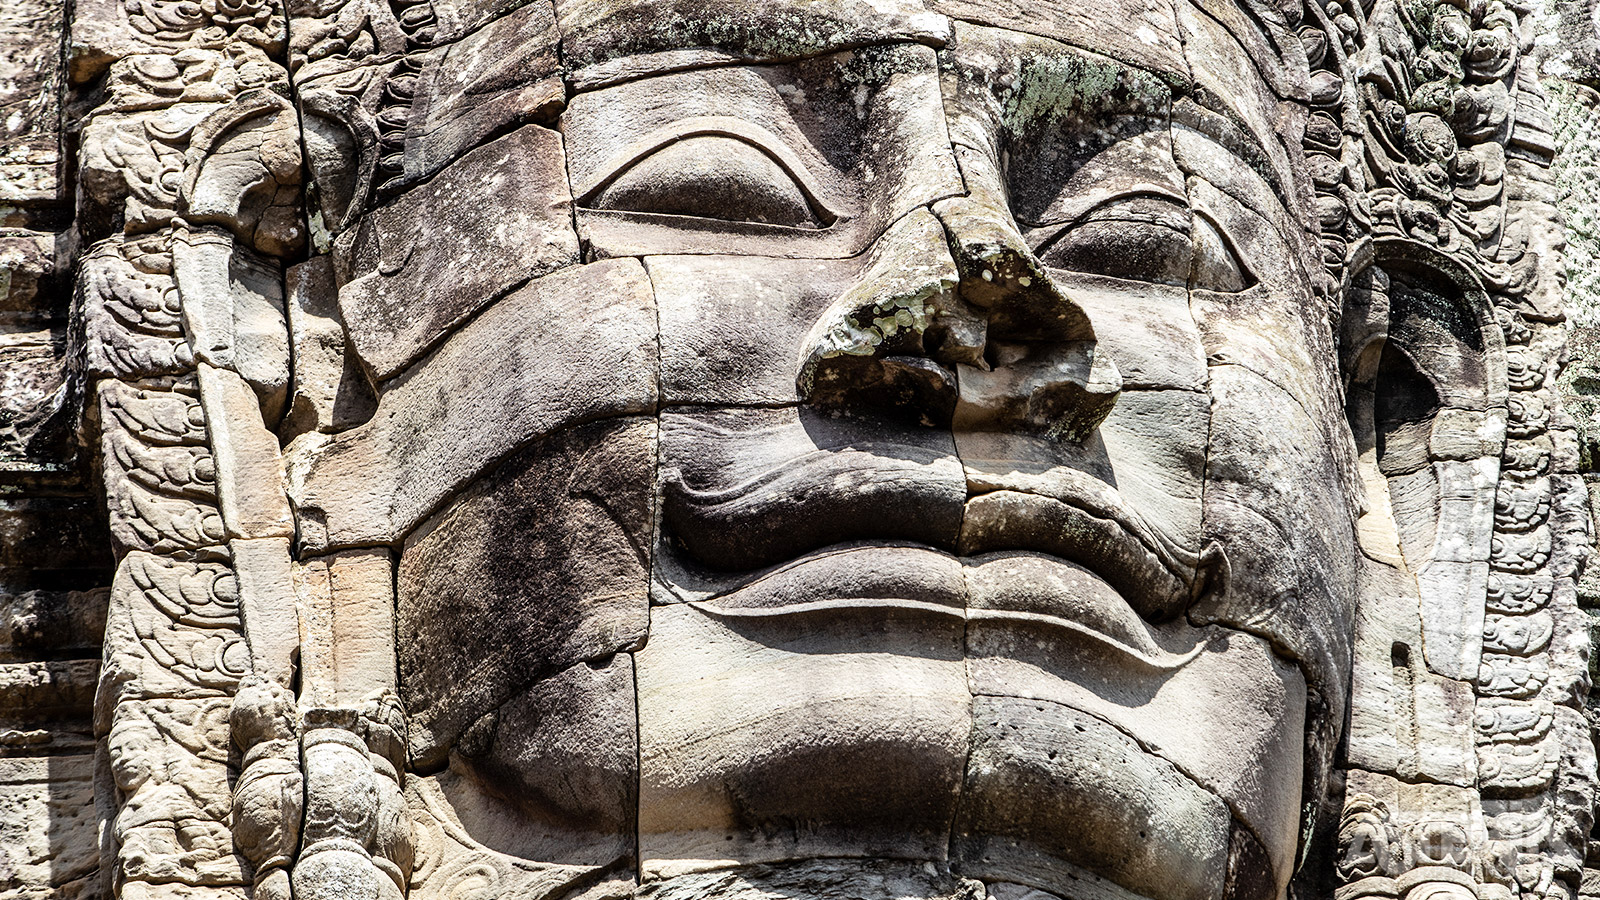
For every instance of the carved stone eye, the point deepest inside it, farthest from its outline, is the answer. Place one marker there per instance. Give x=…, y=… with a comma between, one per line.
x=712, y=177
x=1148, y=239
x=1216, y=266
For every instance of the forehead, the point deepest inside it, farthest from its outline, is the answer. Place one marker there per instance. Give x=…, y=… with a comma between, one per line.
x=1235, y=68
x=1148, y=34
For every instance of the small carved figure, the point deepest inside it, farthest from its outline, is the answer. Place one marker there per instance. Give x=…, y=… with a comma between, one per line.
x=165, y=831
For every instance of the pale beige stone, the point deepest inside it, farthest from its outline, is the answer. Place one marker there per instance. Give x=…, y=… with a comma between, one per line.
x=329, y=391
x=267, y=605
x=233, y=312
x=249, y=466
x=346, y=616
x=717, y=450
x=47, y=822
x=765, y=687
x=423, y=264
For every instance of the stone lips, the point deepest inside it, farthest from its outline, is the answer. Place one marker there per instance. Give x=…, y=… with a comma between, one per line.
x=875, y=489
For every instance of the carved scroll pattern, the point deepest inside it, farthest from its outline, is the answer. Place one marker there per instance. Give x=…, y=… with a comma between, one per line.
x=174, y=650
x=173, y=647
x=1454, y=152
x=190, y=173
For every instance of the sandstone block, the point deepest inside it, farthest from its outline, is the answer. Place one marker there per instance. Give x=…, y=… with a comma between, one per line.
x=767, y=789
x=1042, y=784
x=421, y=265
x=569, y=348
x=811, y=159
x=541, y=564
x=598, y=31
x=329, y=392
x=500, y=76
x=553, y=775
x=47, y=827
x=346, y=626
x=746, y=488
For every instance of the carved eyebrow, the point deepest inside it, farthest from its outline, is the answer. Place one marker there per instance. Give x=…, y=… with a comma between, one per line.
x=727, y=127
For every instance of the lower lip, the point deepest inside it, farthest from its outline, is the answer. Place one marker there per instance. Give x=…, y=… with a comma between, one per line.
x=1027, y=590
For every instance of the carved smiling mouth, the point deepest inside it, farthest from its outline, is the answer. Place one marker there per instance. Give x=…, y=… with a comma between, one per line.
x=851, y=529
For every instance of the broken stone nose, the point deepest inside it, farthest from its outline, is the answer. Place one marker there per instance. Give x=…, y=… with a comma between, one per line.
x=955, y=322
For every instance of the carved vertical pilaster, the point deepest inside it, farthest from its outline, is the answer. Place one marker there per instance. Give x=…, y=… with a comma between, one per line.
x=1456, y=153
x=202, y=601
x=174, y=650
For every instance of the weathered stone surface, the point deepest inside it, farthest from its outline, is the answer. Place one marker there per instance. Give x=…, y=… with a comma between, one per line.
x=249, y=468
x=1166, y=835
x=598, y=31
x=875, y=449
x=233, y=312
x=1227, y=76
x=425, y=263
x=812, y=159
x=48, y=830
x=31, y=76
x=1216, y=715
x=174, y=631
x=496, y=78
x=330, y=392
x=492, y=387
x=268, y=611
x=541, y=564
x=168, y=760
x=553, y=775
x=1145, y=468
x=31, y=266
x=730, y=325
x=747, y=488
x=347, y=624
x=817, y=878
x=1145, y=36
x=1269, y=525
x=766, y=685
x=1153, y=338
x=35, y=391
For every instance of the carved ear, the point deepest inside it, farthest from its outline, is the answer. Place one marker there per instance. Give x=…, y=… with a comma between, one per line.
x=341, y=142
x=1426, y=396
x=242, y=172
x=1424, y=368
x=341, y=152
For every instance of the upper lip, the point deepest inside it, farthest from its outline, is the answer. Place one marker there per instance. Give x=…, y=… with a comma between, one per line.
x=1075, y=517
x=770, y=522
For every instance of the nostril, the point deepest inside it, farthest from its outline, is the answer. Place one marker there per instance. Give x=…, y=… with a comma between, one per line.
x=957, y=336
x=891, y=340
x=1061, y=390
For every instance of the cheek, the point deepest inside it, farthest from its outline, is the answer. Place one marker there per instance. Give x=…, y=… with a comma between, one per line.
x=732, y=326
x=1280, y=494
x=1155, y=441
x=1278, y=503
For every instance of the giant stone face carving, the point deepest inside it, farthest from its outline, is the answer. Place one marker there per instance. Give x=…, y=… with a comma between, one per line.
x=818, y=448
x=908, y=478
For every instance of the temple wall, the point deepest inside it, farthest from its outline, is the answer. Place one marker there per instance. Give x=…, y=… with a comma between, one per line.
x=54, y=551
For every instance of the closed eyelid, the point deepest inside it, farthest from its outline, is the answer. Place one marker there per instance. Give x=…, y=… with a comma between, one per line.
x=1123, y=238
x=726, y=127
x=1052, y=234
